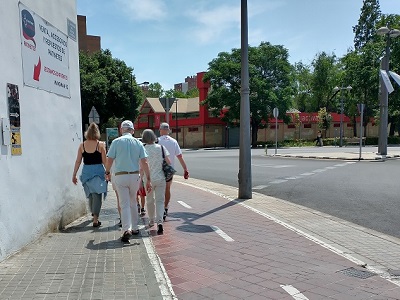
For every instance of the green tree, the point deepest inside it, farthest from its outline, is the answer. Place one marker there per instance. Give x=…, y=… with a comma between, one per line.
x=155, y=90
x=108, y=85
x=324, y=119
x=361, y=72
x=325, y=77
x=270, y=84
x=364, y=31
x=302, y=81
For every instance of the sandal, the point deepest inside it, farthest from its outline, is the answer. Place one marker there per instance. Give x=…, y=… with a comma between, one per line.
x=98, y=224
x=125, y=237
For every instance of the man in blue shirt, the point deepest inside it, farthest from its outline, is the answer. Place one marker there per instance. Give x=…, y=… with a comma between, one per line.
x=129, y=156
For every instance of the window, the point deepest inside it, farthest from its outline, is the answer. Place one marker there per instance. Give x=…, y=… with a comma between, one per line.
x=193, y=129
x=307, y=125
x=291, y=126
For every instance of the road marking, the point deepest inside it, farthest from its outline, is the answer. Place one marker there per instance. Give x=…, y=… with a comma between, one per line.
x=341, y=165
x=319, y=170
x=164, y=283
x=273, y=166
x=278, y=181
x=222, y=234
x=295, y=293
x=184, y=204
x=260, y=187
x=330, y=168
x=307, y=174
x=293, y=177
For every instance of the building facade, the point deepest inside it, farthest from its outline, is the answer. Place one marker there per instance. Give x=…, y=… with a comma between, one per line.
x=40, y=113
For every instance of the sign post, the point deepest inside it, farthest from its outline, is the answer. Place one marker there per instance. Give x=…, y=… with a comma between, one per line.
x=94, y=116
x=361, y=111
x=167, y=103
x=276, y=113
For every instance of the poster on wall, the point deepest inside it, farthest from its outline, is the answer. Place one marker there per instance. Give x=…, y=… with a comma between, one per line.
x=14, y=116
x=111, y=134
x=45, y=58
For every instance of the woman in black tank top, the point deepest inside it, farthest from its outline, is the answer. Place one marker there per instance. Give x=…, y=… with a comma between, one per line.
x=93, y=154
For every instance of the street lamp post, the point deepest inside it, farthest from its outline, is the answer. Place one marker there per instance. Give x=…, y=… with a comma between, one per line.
x=337, y=89
x=133, y=100
x=384, y=94
x=176, y=118
x=245, y=180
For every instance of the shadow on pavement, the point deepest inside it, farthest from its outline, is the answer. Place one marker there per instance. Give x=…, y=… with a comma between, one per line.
x=189, y=218
x=106, y=245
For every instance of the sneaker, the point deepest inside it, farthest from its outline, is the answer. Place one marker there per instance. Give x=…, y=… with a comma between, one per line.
x=120, y=223
x=125, y=237
x=160, y=229
x=142, y=212
x=165, y=213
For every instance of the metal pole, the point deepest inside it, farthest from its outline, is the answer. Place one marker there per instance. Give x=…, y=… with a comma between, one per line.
x=167, y=110
x=276, y=135
x=341, y=119
x=245, y=182
x=176, y=118
x=361, y=128
x=384, y=100
x=133, y=102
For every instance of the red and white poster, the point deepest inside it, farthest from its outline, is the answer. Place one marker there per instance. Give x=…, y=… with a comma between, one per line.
x=45, y=59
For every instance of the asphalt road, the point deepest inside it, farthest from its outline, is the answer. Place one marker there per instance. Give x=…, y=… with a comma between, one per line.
x=362, y=192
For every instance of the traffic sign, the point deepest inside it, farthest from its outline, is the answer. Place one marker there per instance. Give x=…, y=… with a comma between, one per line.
x=94, y=116
x=167, y=103
x=276, y=112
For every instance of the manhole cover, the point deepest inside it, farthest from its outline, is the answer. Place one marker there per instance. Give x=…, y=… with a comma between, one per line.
x=394, y=272
x=353, y=272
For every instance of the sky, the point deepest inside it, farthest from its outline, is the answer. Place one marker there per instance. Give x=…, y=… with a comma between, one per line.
x=167, y=40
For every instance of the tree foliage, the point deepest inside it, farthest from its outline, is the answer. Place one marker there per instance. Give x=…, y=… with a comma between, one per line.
x=108, y=85
x=270, y=84
x=325, y=77
x=364, y=31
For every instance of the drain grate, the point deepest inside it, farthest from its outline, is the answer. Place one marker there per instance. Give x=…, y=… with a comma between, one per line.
x=353, y=272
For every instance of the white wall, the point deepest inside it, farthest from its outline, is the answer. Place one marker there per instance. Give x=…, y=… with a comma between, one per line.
x=36, y=191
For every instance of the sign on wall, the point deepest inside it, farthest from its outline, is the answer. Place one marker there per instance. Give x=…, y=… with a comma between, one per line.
x=111, y=134
x=45, y=59
x=14, y=115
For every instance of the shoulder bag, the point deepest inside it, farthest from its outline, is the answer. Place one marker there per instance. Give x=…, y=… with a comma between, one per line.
x=168, y=170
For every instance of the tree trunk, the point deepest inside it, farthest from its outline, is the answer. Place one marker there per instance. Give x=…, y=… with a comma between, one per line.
x=254, y=134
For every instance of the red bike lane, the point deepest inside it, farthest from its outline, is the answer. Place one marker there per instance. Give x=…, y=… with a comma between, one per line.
x=213, y=248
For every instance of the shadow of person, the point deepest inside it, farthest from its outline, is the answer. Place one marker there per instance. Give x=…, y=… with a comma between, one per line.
x=112, y=244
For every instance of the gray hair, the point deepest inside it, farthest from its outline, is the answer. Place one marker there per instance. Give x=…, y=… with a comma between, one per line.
x=148, y=136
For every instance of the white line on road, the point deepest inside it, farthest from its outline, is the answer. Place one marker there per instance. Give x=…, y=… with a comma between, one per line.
x=259, y=187
x=222, y=234
x=307, y=174
x=293, y=177
x=295, y=293
x=319, y=170
x=273, y=166
x=330, y=168
x=278, y=181
x=184, y=204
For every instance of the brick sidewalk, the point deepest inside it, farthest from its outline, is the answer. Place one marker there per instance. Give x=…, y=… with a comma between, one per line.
x=81, y=262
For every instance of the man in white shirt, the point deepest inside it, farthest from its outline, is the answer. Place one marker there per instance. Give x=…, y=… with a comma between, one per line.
x=174, y=151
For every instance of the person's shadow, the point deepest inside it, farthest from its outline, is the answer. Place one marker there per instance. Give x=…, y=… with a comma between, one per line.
x=113, y=244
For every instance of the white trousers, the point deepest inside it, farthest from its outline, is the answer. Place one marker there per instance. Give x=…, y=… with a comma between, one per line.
x=155, y=201
x=127, y=186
